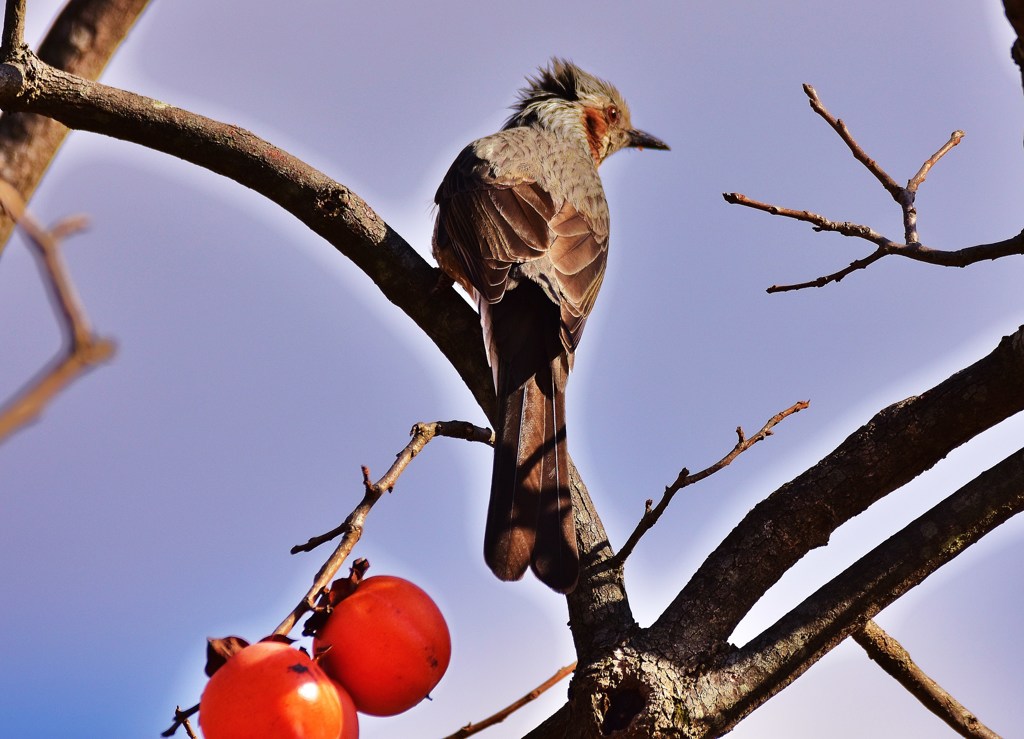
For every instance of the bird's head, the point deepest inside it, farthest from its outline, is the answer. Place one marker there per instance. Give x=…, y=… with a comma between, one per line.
x=571, y=102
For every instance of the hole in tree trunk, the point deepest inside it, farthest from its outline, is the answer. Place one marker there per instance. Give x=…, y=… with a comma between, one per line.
x=624, y=703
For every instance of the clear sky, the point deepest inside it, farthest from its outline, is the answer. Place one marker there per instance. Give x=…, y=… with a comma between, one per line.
x=257, y=369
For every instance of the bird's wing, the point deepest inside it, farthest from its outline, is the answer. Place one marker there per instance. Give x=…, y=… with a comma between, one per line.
x=494, y=215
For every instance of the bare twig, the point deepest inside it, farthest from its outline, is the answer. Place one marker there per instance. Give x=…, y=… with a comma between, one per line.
x=820, y=223
x=504, y=713
x=685, y=479
x=884, y=245
x=904, y=197
x=916, y=180
x=181, y=718
x=352, y=529
x=894, y=659
x=84, y=349
x=859, y=154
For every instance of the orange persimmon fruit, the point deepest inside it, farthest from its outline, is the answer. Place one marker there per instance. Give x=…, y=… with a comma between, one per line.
x=387, y=644
x=270, y=689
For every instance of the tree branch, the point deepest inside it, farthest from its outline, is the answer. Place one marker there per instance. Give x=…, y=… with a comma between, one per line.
x=351, y=226
x=841, y=607
x=651, y=515
x=904, y=196
x=919, y=252
x=327, y=207
x=14, y=29
x=895, y=660
x=894, y=447
x=599, y=612
x=891, y=186
x=352, y=529
x=82, y=40
x=475, y=728
x=1015, y=14
x=84, y=349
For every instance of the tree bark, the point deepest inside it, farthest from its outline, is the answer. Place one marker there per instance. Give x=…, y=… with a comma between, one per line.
x=82, y=40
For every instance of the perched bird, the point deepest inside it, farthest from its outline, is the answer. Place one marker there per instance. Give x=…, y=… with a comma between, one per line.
x=522, y=225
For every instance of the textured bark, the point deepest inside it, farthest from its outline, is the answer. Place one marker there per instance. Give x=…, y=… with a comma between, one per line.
x=685, y=679
x=812, y=629
x=894, y=447
x=895, y=660
x=599, y=612
x=82, y=40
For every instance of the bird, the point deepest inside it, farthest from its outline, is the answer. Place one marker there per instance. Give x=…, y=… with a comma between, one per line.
x=522, y=225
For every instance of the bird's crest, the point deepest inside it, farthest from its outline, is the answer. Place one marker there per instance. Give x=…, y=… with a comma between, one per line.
x=560, y=82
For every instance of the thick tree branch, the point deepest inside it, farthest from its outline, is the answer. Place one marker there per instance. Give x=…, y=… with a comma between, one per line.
x=841, y=607
x=599, y=612
x=1015, y=14
x=327, y=207
x=82, y=40
x=14, y=28
x=894, y=447
x=894, y=659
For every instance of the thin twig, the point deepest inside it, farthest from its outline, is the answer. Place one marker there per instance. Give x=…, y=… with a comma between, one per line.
x=895, y=660
x=352, y=529
x=904, y=197
x=504, y=713
x=820, y=223
x=834, y=277
x=181, y=718
x=844, y=133
x=909, y=194
x=917, y=179
x=884, y=245
x=684, y=479
x=84, y=348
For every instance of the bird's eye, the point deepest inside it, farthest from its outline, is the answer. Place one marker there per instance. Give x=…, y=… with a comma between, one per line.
x=613, y=114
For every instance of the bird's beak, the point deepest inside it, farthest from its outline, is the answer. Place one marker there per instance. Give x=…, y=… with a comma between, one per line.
x=643, y=140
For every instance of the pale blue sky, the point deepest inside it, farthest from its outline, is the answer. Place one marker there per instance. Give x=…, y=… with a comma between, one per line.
x=257, y=369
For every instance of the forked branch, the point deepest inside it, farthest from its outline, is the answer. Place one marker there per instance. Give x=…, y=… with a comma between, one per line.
x=352, y=529
x=905, y=197
x=83, y=350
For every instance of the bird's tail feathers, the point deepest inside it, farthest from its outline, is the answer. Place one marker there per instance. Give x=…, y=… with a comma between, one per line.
x=529, y=520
